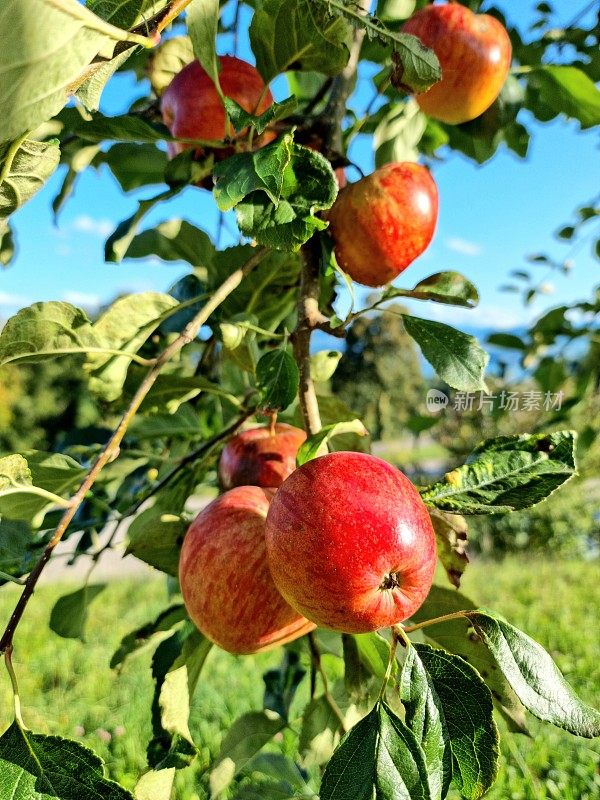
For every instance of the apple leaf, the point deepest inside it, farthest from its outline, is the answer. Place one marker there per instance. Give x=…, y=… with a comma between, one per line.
x=7, y=243
x=124, y=128
x=155, y=785
x=18, y=549
x=117, y=244
x=124, y=326
x=317, y=443
x=245, y=173
x=455, y=636
x=170, y=57
x=173, y=240
x=203, y=26
x=90, y=91
x=380, y=757
x=69, y=614
x=134, y=165
x=25, y=166
x=374, y=653
x=323, y=364
x=241, y=119
x=123, y=13
x=566, y=90
x=457, y=357
x=534, y=676
x=281, y=684
x=450, y=288
x=285, y=221
x=458, y=739
x=244, y=739
x=155, y=537
x=39, y=63
x=35, y=766
x=299, y=35
x=451, y=537
x=147, y=634
x=319, y=733
x=277, y=379
x=398, y=133
x=506, y=474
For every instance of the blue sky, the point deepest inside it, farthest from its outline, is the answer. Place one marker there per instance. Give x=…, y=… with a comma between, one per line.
x=490, y=218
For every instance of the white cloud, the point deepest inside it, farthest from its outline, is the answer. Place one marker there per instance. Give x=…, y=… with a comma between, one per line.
x=82, y=299
x=95, y=227
x=13, y=300
x=463, y=246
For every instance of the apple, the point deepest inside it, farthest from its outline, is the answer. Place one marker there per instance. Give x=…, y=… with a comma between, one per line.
x=192, y=109
x=225, y=581
x=474, y=52
x=381, y=223
x=260, y=456
x=350, y=543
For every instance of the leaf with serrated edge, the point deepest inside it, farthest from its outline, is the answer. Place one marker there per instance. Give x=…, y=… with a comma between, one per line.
x=277, y=378
x=35, y=766
x=534, y=676
x=316, y=444
x=450, y=288
x=451, y=537
x=24, y=171
x=457, y=357
x=506, y=474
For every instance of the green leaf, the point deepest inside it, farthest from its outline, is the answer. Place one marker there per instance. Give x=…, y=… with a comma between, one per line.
x=40, y=62
x=534, y=676
x=323, y=364
x=148, y=634
x=457, y=357
x=398, y=134
x=374, y=652
x=25, y=166
x=316, y=444
x=171, y=56
x=135, y=165
x=203, y=24
x=183, y=423
x=18, y=549
x=69, y=614
x=451, y=537
x=38, y=767
x=456, y=636
x=7, y=243
x=90, y=91
x=124, y=326
x=309, y=186
x=118, y=242
x=155, y=785
x=244, y=739
x=170, y=391
x=277, y=379
x=506, y=474
x=319, y=733
x=299, y=35
x=123, y=13
x=379, y=757
x=567, y=90
x=244, y=173
x=30, y=482
x=46, y=330
x=469, y=730
x=124, y=128
x=507, y=340
x=450, y=288
x=281, y=684
x=156, y=537
x=173, y=240
x=241, y=119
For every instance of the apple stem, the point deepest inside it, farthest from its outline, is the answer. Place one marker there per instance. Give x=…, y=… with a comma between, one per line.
x=316, y=660
x=436, y=620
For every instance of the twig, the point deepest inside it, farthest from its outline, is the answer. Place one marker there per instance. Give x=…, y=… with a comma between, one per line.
x=111, y=449
x=318, y=666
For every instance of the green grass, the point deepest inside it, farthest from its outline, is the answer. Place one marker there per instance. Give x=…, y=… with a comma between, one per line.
x=68, y=688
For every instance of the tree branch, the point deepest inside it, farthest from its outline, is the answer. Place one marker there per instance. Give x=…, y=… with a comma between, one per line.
x=111, y=449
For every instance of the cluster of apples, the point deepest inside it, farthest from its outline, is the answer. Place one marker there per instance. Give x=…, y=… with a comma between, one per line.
x=381, y=223
x=344, y=542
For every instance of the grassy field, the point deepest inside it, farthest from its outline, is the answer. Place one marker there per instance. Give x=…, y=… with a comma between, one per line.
x=68, y=688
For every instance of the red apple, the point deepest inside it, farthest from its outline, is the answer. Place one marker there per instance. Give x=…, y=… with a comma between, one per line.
x=474, y=52
x=381, y=223
x=192, y=109
x=258, y=457
x=350, y=543
x=225, y=580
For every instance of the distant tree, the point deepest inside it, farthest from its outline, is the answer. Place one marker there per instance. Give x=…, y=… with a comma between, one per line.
x=379, y=376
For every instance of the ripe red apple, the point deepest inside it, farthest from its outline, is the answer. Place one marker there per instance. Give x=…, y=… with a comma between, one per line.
x=259, y=457
x=225, y=580
x=381, y=223
x=474, y=52
x=350, y=543
x=192, y=109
